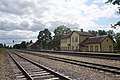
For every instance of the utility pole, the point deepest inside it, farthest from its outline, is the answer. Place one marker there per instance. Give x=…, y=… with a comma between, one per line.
x=13, y=42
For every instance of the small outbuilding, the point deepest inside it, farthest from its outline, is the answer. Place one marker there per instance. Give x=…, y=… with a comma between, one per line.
x=33, y=46
x=103, y=43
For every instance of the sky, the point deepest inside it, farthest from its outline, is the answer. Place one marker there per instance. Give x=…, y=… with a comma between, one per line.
x=21, y=20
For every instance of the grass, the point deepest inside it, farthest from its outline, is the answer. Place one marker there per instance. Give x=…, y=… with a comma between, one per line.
x=2, y=57
x=1, y=49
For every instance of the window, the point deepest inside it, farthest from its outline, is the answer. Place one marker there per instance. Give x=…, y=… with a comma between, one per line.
x=77, y=47
x=65, y=48
x=76, y=39
x=96, y=48
x=72, y=39
x=110, y=48
x=72, y=47
x=107, y=40
x=87, y=48
x=61, y=48
x=91, y=48
x=61, y=41
x=68, y=48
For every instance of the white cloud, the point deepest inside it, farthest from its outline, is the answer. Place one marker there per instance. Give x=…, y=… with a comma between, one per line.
x=24, y=18
x=20, y=34
x=17, y=35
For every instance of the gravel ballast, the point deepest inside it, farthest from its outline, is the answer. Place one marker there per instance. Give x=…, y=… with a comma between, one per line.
x=115, y=63
x=75, y=72
x=6, y=71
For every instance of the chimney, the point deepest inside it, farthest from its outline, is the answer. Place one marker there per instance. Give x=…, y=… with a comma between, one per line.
x=81, y=30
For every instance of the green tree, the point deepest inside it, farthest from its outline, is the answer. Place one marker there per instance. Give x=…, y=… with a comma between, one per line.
x=4, y=45
x=10, y=47
x=44, y=38
x=117, y=38
x=1, y=45
x=40, y=38
x=23, y=45
x=114, y=2
x=111, y=33
x=102, y=32
x=99, y=32
x=115, y=25
x=118, y=3
x=59, y=31
x=17, y=46
x=31, y=41
x=93, y=32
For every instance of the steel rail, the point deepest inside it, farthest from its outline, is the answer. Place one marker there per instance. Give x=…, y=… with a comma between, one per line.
x=60, y=76
x=21, y=68
x=112, y=69
x=107, y=68
x=84, y=54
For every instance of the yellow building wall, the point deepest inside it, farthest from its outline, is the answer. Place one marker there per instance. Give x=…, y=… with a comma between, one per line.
x=94, y=46
x=69, y=40
x=82, y=38
x=64, y=44
x=105, y=45
x=74, y=43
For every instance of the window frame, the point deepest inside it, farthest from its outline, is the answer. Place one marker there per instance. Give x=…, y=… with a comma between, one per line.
x=91, y=48
x=96, y=48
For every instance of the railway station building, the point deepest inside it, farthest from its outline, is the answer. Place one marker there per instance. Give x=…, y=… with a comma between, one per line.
x=86, y=42
x=33, y=46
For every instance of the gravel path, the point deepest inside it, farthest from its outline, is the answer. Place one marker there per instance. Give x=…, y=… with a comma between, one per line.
x=75, y=72
x=6, y=71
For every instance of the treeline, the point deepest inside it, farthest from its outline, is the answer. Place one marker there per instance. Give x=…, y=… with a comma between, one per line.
x=4, y=46
x=22, y=45
x=48, y=42
x=102, y=32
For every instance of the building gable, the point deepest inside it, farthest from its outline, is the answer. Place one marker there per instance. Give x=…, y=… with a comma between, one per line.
x=107, y=44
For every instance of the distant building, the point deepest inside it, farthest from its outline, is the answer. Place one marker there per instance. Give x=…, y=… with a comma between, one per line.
x=33, y=46
x=84, y=41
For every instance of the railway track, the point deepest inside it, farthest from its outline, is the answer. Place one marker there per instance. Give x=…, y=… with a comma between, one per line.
x=26, y=69
x=85, y=54
x=105, y=68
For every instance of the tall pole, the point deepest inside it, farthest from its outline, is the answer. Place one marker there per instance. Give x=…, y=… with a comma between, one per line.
x=13, y=42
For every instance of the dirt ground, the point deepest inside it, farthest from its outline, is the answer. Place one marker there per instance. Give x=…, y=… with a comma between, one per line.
x=6, y=72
